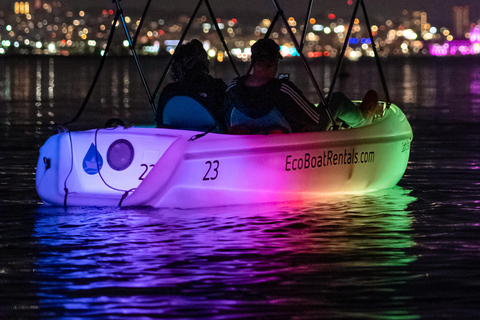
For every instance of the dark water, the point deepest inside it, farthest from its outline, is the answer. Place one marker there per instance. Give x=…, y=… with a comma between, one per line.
x=412, y=252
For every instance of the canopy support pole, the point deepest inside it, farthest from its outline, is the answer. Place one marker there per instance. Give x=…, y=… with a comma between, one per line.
x=305, y=25
x=215, y=23
x=134, y=53
x=144, y=14
x=377, y=58
x=99, y=70
x=182, y=38
x=164, y=75
x=344, y=49
x=304, y=60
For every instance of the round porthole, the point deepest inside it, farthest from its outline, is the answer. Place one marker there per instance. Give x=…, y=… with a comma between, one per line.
x=120, y=155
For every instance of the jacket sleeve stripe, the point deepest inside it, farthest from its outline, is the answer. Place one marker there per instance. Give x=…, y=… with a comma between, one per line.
x=312, y=113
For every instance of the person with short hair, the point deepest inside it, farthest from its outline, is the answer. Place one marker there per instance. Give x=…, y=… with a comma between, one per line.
x=261, y=103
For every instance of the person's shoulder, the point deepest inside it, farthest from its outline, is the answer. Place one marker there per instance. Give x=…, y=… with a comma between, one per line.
x=236, y=82
x=220, y=83
x=286, y=84
x=171, y=88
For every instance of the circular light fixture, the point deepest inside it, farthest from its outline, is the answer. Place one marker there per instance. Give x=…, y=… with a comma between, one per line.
x=120, y=154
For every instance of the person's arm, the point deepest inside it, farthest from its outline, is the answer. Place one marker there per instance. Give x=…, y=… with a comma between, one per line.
x=300, y=113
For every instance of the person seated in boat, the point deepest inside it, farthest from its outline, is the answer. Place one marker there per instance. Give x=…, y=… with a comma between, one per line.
x=261, y=103
x=192, y=88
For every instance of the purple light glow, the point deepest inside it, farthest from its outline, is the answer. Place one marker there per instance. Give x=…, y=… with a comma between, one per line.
x=475, y=34
x=459, y=47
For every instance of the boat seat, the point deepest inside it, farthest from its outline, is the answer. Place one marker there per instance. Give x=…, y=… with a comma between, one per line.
x=182, y=112
x=269, y=123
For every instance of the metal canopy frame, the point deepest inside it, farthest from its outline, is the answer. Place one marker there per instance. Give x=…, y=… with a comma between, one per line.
x=299, y=47
x=374, y=48
x=182, y=38
x=118, y=16
x=279, y=14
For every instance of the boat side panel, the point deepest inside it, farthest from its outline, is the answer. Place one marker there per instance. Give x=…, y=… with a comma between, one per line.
x=102, y=178
x=254, y=170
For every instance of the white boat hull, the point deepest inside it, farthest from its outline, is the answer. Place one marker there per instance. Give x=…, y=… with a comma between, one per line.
x=162, y=168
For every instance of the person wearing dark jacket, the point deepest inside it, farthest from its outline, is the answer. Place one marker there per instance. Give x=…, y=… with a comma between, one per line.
x=190, y=68
x=261, y=103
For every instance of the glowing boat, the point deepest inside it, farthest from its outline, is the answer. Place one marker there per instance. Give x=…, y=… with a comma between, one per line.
x=184, y=169
x=166, y=168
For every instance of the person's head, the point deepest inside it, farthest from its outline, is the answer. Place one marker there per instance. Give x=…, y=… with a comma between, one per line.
x=265, y=55
x=189, y=59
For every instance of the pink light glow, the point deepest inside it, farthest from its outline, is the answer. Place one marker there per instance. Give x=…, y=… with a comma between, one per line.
x=459, y=47
x=475, y=35
x=438, y=50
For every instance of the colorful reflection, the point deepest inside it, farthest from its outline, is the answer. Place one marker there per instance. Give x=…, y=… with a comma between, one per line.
x=260, y=261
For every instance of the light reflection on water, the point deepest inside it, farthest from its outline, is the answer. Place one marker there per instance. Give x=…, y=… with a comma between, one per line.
x=56, y=87
x=232, y=261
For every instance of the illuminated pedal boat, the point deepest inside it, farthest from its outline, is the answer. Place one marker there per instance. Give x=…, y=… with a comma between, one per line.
x=166, y=168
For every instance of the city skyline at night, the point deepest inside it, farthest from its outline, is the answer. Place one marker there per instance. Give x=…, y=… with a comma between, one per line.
x=56, y=27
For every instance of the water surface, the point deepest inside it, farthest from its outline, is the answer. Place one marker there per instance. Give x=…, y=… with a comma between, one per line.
x=411, y=252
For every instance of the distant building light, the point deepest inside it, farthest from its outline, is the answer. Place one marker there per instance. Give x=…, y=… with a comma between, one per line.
x=353, y=41
x=317, y=27
x=237, y=51
x=327, y=30
x=171, y=42
x=339, y=29
x=38, y=44
x=152, y=49
x=125, y=43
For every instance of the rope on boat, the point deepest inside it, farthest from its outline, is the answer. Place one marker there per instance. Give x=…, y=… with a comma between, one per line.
x=70, y=172
x=126, y=192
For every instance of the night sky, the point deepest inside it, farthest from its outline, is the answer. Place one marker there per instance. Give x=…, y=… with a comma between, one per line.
x=440, y=11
